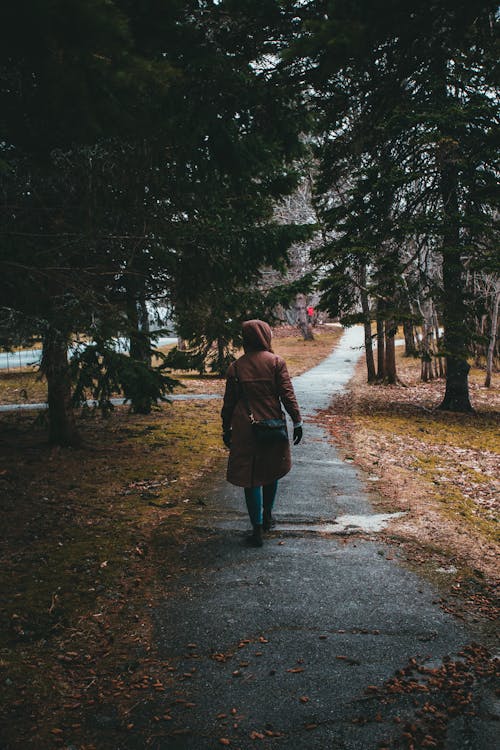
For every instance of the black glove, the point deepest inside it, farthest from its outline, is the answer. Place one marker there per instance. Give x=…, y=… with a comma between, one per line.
x=226, y=438
x=297, y=435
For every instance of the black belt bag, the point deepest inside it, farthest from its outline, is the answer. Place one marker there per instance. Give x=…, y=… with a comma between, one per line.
x=269, y=430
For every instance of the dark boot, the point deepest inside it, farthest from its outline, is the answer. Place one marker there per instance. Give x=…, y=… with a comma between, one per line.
x=255, y=540
x=268, y=521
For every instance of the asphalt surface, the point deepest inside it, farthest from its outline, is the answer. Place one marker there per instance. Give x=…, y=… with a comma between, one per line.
x=282, y=646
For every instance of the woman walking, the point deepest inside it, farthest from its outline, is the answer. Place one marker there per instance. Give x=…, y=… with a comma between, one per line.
x=256, y=386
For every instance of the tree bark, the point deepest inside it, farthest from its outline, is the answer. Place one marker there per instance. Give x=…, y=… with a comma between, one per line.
x=439, y=368
x=409, y=334
x=493, y=339
x=380, y=349
x=54, y=365
x=138, y=330
x=456, y=337
x=302, y=320
x=138, y=324
x=365, y=305
x=221, y=366
x=456, y=396
x=390, y=352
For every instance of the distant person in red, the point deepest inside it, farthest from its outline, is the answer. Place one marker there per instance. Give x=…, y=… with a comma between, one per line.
x=310, y=313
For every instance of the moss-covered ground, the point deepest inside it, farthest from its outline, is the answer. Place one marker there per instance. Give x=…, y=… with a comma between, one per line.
x=88, y=538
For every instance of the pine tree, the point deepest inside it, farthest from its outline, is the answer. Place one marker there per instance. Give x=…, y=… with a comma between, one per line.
x=414, y=86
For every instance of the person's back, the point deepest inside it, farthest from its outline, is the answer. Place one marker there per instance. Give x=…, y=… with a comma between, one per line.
x=256, y=387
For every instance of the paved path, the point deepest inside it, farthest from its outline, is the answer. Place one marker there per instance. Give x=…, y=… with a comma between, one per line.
x=115, y=401
x=284, y=640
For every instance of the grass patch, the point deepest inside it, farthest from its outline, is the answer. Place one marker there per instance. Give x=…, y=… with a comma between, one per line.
x=76, y=565
x=478, y=432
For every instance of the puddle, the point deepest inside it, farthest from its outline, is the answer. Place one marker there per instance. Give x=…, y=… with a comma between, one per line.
x=347, y=524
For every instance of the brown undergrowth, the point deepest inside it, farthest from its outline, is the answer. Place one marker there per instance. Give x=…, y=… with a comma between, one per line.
x=89, y=537
x=440, y=469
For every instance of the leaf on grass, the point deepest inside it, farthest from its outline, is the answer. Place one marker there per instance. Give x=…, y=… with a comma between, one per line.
x=294, y=670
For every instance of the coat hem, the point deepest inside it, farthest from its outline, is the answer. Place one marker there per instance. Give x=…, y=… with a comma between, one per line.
x=268, y=481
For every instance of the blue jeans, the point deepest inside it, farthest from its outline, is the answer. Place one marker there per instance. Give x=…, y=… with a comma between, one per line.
x=258, y=498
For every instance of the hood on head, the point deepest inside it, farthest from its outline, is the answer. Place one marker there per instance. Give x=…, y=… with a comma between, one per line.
x=256, y=336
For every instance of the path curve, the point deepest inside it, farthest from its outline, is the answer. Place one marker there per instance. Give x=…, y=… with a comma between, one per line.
x=284, y=641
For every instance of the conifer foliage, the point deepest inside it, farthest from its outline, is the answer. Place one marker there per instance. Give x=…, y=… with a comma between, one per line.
x=407, y=118
x=142, y=148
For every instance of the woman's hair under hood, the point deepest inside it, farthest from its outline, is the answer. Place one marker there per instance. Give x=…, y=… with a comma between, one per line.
x=257, y=336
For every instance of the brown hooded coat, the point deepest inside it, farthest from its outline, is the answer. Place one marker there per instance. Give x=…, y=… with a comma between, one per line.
x=266, y=384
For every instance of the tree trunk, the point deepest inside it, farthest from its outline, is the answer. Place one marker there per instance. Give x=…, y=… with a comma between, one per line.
x=138, y=329
x=221, y=366
x=439, y=369
x=380, y=349
x=302, y=319
x=138, y=324
x=456, y=396
x=493, y=339
x=426, y=348
x=54, y=365
x=479, y=348
x=367, y=323
x=456, y=337
x=409, y=334
x=390, y=352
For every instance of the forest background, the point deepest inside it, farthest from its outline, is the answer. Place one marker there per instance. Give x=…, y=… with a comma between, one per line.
x=176, y=154
x=225, y=160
